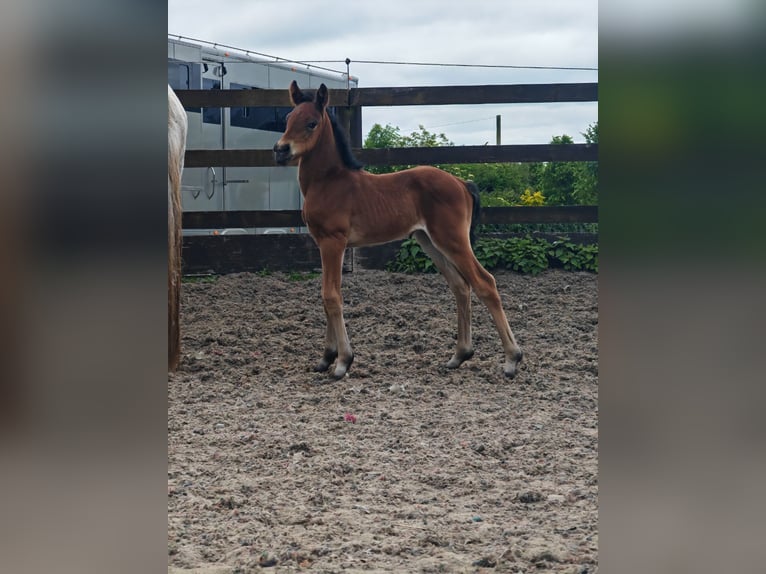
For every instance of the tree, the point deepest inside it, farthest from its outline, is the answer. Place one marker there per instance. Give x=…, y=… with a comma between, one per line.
x=571, y=183
x=586, y=185
x=500, y=184
x=558, y=177
x=423, y=138
x=381, y=137
x=391, y=136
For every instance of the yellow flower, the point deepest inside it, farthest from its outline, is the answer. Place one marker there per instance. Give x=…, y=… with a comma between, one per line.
x=531, y=198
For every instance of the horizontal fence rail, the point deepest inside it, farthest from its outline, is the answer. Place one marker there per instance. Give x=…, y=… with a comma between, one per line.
x=406, y=96
x=410, y=155
x=546, y=214
x=488, y=215
x=491, y=94
x=224, y=219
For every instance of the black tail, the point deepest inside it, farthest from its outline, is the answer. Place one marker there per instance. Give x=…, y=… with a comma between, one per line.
x=474, y=191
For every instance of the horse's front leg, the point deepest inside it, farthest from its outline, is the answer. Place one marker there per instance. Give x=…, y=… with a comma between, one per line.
x=336, y=339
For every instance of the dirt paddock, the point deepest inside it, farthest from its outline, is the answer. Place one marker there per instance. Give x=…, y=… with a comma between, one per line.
x=403, y=465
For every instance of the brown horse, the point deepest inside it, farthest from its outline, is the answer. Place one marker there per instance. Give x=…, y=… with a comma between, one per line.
x=345, y=205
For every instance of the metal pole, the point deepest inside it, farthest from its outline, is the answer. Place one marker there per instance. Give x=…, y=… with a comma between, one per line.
x=497, y=122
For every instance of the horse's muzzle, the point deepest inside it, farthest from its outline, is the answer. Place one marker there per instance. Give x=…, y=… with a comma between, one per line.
x=282, y=154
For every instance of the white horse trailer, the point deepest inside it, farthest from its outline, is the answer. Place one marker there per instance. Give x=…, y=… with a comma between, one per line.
x=198, y=66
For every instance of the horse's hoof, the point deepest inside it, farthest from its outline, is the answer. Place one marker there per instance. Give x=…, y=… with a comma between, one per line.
x=342, y=368
x=511, y=367
x=459, y=358
x=340, y=371
x=509, y=371
x=453, y=363
x=321, y=367
x=327, y=359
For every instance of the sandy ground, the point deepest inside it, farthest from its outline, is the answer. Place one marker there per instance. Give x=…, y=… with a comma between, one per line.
x=403, y=465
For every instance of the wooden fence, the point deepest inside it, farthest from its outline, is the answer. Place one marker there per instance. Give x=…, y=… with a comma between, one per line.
x=223, y=254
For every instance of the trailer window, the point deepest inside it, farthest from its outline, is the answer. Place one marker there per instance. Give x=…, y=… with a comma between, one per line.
x=259, y=118
x=184, y=76
x=256, y=118
x=211, y=115
x=178, y=76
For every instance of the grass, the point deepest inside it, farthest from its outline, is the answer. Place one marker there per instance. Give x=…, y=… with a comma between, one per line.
x=298, y=276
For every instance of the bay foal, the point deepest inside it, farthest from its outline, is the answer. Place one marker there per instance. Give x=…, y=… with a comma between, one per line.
x=346, y=206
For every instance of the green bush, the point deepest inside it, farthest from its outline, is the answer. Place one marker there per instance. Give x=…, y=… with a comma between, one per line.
x=411, y=259
x=522, y=254
x=573, y=257
x=526, y=255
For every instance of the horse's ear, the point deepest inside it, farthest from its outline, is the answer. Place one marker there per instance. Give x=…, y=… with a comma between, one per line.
x=296, y=96
x=322, y=98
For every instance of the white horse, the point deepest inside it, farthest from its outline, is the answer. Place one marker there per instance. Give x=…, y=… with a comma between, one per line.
x=177, y=127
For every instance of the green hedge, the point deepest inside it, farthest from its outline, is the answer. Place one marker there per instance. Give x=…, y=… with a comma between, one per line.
x=522, y=254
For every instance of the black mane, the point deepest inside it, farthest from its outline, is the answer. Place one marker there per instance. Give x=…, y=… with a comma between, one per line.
x=344, y=148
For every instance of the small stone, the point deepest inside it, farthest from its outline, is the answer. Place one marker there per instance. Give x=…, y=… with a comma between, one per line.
x=529, y=497
x=266, y=562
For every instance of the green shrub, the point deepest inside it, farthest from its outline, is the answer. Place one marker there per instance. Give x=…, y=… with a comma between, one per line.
x=412, y=259
x=522, y=254
x=525, y=254
x=573, y=257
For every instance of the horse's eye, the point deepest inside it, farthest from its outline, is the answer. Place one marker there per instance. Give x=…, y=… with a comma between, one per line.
x=312, y=125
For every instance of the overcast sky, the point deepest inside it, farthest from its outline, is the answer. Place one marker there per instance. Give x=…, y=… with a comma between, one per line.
x=562, y=33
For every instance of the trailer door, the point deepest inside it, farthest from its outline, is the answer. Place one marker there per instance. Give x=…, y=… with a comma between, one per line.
x=212, y=137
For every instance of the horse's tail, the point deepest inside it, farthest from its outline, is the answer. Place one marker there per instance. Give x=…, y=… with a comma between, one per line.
x=474, y=191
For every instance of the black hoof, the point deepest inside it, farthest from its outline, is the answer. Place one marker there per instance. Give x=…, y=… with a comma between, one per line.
x=321, y=367
x=458, y=360
x=327, y=360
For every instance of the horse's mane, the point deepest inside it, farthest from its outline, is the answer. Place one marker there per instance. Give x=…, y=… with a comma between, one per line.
x=344, y=148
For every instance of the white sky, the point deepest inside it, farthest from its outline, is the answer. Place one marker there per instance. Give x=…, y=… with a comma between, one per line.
x=497, y=32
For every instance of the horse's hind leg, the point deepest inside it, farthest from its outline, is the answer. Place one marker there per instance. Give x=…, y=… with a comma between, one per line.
x=336, y=338
x=458, y=251
x=462, y=291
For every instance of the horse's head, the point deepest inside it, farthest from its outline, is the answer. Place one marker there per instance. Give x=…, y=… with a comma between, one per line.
x=304, y=124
